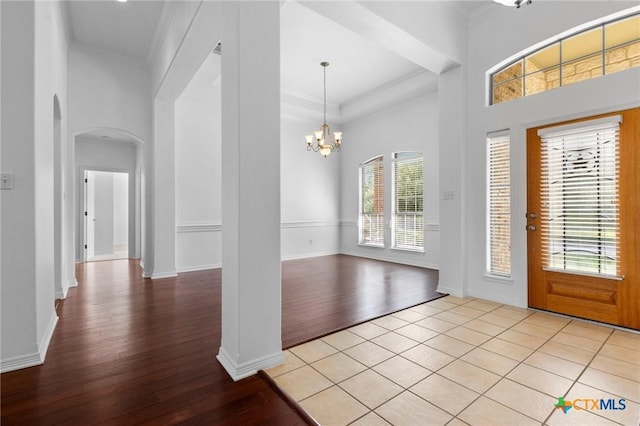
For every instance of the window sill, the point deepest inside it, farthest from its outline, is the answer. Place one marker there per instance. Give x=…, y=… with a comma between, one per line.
x=371, y=245
x=410, y=250
x=498, y=279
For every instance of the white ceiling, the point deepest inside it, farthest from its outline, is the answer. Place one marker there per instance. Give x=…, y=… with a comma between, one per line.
x=307, y=38
x=126, y=28
x=356, y=64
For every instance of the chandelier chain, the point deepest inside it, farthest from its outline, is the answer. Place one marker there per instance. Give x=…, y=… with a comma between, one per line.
x=324, y=69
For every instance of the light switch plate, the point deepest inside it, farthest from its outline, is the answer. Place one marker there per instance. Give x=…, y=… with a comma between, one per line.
x=6, y=180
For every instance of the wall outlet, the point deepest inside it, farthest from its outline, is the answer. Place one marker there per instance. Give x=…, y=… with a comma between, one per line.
x=6, y=180
x=448, y=195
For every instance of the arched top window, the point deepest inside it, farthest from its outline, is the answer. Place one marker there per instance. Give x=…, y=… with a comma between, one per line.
x=606, y=48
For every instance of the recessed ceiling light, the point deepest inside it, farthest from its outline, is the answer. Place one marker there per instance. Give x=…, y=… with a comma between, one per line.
x=122, y=1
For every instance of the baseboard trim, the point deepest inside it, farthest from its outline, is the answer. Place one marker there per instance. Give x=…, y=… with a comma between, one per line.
x=34, y=358
x=20, y=362
x=182, y=269
x=309, y=255
x=497, y=299
x=457, y=292
x=62, y=294
x=160, y=275
x=390, y=259
x=249, y=368
x=48, y=334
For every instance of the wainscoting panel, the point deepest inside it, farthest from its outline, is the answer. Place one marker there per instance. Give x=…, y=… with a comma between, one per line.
x=199, y=245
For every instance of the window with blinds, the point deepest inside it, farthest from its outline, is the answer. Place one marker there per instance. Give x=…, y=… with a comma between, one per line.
x=371, y=216
x=499, y=204
x=407, y=226
x=580, y=203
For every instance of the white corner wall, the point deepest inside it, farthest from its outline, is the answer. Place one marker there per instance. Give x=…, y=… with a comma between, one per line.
x=411, y=126
x=500, y=28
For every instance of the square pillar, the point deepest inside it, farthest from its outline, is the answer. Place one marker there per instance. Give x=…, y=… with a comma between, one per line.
x=452, y=134
x=163, y=262
x=251, y=298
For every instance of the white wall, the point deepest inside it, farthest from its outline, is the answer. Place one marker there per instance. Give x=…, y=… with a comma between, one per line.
x=108, y=90
x=501, y=29
x=310, y=184
x=412, y=126
x=309, y=193
x=198, y=174
x=34, y=50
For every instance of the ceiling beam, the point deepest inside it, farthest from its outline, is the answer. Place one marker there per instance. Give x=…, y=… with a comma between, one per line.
x=399, y=33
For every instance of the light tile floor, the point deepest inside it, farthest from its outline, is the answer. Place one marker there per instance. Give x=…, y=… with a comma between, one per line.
x=466, y=361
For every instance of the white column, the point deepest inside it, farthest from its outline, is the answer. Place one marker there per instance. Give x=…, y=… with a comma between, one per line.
x=164, y=190
x=452, y=125
x=251, y=302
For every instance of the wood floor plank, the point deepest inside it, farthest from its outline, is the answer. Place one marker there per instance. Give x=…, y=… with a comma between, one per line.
x=128, y=350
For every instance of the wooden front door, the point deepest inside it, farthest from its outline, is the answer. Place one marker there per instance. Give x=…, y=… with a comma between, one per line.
x=583, y=218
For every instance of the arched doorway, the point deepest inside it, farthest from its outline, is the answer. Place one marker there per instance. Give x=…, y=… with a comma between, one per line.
x=116, y=152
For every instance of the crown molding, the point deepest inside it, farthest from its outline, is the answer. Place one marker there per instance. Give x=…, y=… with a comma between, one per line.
x=162, y=28
x=65, y=10
x=404, y=89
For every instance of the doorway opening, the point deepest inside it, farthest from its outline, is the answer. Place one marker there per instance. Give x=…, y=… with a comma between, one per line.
x=106, y=215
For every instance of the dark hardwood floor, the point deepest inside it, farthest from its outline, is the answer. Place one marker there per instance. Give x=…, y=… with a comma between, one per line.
x=128, y=350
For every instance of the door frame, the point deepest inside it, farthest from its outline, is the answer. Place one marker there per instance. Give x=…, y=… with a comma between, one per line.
x=623, y=294
x=132, y=195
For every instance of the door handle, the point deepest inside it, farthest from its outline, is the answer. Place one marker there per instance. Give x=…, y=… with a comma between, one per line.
x=530, y=228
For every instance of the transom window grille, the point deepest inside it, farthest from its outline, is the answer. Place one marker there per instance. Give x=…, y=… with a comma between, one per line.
x=371, y=217
x=605, y=49
x=499, y=204
x=580, y=204
x=407, y=227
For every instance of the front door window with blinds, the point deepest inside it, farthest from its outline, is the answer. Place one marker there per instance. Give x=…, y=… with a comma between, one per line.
x=579, y=197
x=371, y=217
x=408, y=205
x=499, y=204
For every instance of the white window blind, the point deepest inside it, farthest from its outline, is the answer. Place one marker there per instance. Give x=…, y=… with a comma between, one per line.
x=499, y=204
x=408, y=205
x=579, y=197
x=371, y=217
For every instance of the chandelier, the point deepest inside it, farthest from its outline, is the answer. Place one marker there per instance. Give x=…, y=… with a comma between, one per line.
x=516, y=3
x=322, y=140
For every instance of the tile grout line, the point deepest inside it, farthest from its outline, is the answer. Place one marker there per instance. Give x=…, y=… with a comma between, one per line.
x=469, y=319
